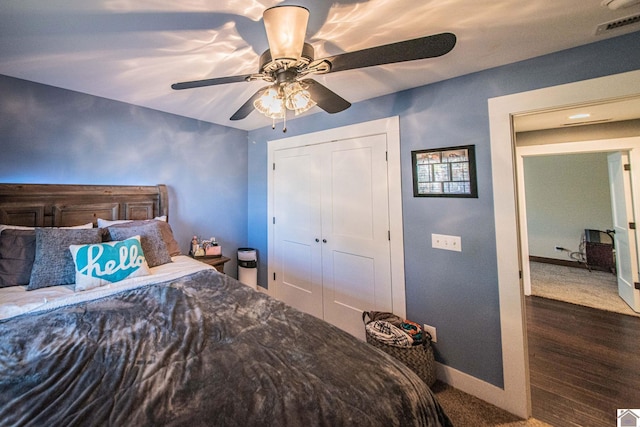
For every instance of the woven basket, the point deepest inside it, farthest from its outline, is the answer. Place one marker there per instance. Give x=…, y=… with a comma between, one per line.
x=418, y=358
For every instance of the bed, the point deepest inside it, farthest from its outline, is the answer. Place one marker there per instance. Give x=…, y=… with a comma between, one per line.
x=181, y=344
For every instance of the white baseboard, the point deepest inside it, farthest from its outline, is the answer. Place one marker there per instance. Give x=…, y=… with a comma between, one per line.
x=473, y=386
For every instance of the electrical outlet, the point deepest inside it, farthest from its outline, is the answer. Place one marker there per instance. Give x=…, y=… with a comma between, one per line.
x=449, y=243
x=432, y=331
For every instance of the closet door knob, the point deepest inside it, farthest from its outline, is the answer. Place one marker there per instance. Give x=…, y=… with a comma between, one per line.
x=317, y=240
x=324, y=240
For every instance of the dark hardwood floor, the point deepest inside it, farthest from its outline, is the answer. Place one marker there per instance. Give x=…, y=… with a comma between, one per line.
x=584, y=363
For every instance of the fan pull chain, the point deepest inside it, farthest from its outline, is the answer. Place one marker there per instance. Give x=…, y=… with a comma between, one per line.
x=284, y=123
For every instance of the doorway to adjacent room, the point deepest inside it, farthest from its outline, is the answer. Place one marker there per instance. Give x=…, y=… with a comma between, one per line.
x=509, y=255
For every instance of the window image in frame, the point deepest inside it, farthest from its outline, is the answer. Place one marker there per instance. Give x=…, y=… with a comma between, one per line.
x=445, y=172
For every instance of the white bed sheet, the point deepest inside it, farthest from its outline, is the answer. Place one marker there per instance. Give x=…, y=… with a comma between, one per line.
x=16, y=300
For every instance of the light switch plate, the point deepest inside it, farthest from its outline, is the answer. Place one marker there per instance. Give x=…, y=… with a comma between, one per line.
x=449, y=243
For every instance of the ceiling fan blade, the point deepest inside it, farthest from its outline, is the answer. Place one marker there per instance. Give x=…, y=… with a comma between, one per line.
x=247, y=107
x=210, y=82
x=326, y=99
x=410, y=50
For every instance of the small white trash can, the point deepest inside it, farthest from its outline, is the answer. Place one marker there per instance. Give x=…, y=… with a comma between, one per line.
x=248, y=267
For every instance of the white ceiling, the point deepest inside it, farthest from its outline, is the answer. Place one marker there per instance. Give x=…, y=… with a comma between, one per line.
x=133, y=50
x=582, y=115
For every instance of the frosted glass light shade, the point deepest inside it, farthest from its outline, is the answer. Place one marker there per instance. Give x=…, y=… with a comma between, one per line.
x=270, y=103
x=297, y=99
x=286, y=27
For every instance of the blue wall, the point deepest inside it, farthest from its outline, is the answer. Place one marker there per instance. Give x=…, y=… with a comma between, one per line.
x=55, y=136
x=456, y=292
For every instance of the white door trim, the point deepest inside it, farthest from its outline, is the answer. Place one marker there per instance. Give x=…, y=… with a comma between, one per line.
x=516, y=396
x=391, y=127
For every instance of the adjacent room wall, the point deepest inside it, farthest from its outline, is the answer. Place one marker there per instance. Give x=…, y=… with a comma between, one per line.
x=457, y=292
x=55, y=136
x=565, y=194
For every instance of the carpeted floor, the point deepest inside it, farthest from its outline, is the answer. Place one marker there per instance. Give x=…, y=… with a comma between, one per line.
x=466, y=410
x=597, y=289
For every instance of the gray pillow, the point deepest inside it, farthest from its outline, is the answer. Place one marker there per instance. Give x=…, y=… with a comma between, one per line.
x=169, y=240
x=153, y=245
x=53, y=264
x=17, y=252
x=165, y=230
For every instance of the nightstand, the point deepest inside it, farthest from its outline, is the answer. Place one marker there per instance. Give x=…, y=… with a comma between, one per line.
x=214, y=261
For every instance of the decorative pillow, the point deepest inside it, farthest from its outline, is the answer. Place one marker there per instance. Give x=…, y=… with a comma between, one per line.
x=154, y=248
x=53, y=263
x=167, y=233
x=104, y=263
x=17, y=252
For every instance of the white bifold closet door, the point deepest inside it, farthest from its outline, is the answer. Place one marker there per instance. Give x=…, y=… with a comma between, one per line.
x=331, y=229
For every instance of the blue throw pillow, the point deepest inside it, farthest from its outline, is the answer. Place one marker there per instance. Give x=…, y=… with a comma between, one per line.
x=110, y=262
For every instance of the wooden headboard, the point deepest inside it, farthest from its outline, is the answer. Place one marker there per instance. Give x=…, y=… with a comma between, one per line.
x=59, y=205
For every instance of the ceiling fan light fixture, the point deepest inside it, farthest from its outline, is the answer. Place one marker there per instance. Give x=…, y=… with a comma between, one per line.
x=297, y=98
x=286, y=27
x=271, y=103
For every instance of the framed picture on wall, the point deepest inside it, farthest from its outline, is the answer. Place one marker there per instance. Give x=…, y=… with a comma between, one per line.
x=445, y=172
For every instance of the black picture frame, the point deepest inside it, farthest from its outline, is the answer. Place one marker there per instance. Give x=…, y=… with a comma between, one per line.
x=445, y=172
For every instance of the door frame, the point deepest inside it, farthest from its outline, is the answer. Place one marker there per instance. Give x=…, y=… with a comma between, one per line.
x=630, y=144
x=391, y=128
x=517, y=397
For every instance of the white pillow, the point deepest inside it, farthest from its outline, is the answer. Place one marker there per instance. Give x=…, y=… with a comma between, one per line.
x=103, y=263
x=20, y=227
x=87, y=225
x=103, y=223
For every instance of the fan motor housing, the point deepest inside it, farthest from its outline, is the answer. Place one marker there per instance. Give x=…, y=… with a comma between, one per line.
x=268, y=65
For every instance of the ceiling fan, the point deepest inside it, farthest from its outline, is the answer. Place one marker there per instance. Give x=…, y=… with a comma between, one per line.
x=289, y=61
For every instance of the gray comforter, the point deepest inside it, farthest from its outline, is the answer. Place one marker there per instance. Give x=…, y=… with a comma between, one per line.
x=201, y=350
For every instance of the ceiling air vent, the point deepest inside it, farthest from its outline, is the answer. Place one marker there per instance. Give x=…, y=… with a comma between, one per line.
x=618, y=23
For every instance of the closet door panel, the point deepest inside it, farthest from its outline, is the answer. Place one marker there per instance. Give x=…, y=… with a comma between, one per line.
x=356, y=271
x=296, y=229
x=354, y=279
